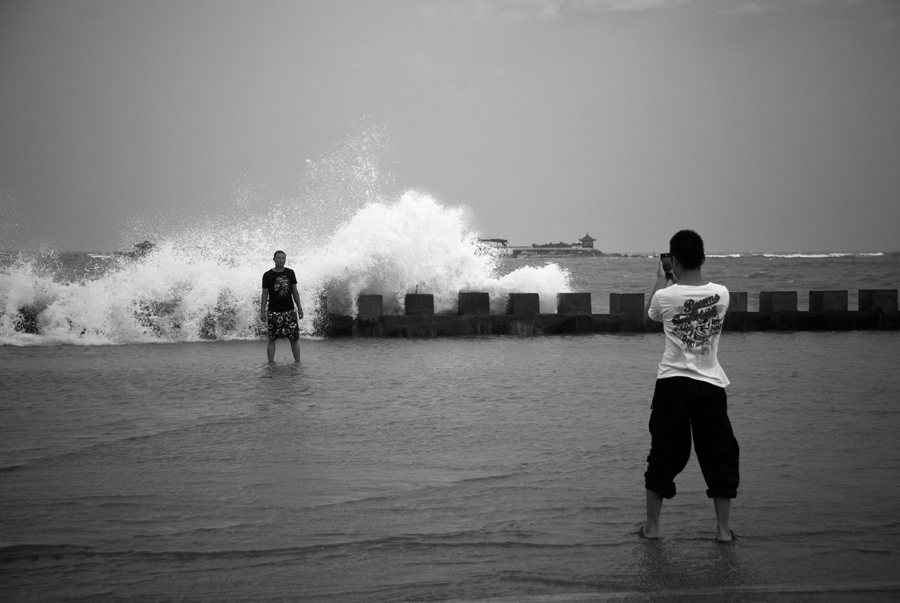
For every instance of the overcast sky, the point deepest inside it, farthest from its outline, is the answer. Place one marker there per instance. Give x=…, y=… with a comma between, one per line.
x=770, y=125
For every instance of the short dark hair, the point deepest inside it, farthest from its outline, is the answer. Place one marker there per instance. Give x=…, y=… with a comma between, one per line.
x=687, y=246
x=277, y=252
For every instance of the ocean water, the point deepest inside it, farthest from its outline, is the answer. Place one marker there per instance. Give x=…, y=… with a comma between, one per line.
x=205, y=284
x=175, y=295
x=452, y=469
x=750, y=272
x=148, y=451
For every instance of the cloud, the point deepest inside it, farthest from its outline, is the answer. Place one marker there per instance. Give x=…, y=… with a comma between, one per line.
x=546, y=9
x=521, y=9
x=756, y=8
x=745, y=8
x=556, y=8
x=750, y=8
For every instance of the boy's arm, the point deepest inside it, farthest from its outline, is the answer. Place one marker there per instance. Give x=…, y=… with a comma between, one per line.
x=661, y=283
x=296, y=295
x=263, y=300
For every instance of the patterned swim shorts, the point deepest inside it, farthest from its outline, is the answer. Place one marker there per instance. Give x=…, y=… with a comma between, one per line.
x=283, y=324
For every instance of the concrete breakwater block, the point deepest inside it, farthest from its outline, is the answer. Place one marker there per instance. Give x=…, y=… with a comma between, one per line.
x=878, y=300
x=369, y=307
x=523, y=304
x=573, y=303
x=419, y=304
x=824, y=301
x=737, y=301
x=777, y=301
x=629, y=304
x=474, y=302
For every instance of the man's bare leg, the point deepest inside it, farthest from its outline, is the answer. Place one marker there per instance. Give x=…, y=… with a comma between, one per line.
x=723, y=510
x=270, y=350
x=654, y=507
x=295, y=350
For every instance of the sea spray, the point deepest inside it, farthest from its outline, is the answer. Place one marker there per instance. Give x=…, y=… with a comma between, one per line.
x=162, y=296
x=254, y=211
x=415, y=245
x=205, y=284
x=345, y=231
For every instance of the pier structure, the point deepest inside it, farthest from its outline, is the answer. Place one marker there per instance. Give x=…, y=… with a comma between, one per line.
x=828, y=311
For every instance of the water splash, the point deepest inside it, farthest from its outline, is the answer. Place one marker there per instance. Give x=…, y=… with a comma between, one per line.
x=207, y=287
x=417, y=245
x=346, y=235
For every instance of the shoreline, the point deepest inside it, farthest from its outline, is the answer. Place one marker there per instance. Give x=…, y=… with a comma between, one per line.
x=530, y=251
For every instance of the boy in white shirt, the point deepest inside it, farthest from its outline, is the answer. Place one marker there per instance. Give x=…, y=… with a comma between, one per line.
x=690, y=387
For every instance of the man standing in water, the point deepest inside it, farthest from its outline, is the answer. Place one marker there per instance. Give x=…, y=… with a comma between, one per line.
x=276, y=306
x=690, y=387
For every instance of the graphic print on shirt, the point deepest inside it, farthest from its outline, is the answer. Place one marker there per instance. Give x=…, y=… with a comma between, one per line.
x=282, y=286
x=697, y=323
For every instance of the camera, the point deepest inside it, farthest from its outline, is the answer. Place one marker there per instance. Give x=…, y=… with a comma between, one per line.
x=666, y=259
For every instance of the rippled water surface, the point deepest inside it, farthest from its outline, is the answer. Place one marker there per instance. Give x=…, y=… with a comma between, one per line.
x=447, y=469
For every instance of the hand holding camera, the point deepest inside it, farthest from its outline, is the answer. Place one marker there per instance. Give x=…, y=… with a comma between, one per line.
x=666, y=262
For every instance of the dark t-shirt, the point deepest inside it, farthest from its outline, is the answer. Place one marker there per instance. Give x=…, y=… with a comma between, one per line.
x=280, y=286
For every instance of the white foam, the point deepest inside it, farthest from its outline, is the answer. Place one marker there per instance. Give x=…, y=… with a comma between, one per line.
x=206, y=281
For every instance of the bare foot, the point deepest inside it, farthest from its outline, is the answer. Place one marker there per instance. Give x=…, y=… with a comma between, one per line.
x=643, y=532
x=729, y=536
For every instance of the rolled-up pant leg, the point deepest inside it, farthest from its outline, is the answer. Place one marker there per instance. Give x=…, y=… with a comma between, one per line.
x=717, y=449
x=670, y=436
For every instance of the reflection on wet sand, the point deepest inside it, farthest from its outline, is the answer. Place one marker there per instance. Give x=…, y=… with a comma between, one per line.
x=692, y=568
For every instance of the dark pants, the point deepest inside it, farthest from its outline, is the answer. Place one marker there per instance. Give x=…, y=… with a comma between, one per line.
x=680, y=406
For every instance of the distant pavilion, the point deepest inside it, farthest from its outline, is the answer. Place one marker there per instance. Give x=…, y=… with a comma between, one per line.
x=587, y=241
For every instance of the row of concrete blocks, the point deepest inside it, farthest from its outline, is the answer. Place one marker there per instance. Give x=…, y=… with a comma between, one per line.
x=524, y=304
x=778, y=312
